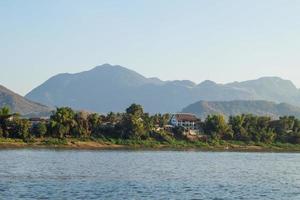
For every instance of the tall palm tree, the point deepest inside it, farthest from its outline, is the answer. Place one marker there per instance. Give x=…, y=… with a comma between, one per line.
x=5, y=110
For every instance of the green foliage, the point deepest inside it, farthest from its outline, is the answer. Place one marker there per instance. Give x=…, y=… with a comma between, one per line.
x=62, y=122
x=162, y=136
x=81, y=127
x=1, y=132
x=4, y=121
x=139, y=128
x=161, y=120
x=237, y=124
x=252, y=128
x=5, y=111
x=216, y=127
x=136, y=123
x=94, y=122
x=134, y=126
x=136, y=110
x=179, y=133
x=111, y=118
x=287, y=129
x=39, y=130
x=20, y=129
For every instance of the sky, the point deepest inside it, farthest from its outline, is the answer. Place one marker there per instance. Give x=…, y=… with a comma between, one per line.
x=219, y=40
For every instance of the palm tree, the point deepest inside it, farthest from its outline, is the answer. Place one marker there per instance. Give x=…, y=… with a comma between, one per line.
x=5, y=110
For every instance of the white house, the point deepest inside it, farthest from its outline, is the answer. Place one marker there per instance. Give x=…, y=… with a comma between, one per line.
x=186, y=120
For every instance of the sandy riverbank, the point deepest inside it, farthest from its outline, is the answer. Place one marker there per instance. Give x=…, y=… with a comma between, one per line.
x=100, y=145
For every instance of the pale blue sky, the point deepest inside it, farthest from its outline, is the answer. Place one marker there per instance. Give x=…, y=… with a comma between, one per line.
x=221, y=40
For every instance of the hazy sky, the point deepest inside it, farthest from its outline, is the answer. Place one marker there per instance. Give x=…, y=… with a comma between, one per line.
x=221, y=40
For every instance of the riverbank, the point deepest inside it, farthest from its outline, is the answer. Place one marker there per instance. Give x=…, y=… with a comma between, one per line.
x=147, y=145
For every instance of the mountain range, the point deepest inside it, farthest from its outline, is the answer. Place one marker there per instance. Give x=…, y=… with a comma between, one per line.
x=231, y=108
x=19, y=104
x=113, y=88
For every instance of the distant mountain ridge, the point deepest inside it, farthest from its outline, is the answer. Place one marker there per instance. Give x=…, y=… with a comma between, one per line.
x=19, y=104
x=112, y=88
x=228, y=108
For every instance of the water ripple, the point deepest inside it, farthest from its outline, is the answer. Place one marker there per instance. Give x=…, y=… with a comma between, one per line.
x=48, y=174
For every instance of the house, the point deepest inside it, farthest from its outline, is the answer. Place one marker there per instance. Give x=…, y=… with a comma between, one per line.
x=36, y=120
x=9, y=117
x=186, y=120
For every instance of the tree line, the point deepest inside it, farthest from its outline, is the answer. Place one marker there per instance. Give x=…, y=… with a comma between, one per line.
x=251, y=128
x=135, y=124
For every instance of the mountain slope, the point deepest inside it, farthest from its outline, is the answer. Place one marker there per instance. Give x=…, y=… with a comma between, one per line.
x=271, y=89
x=112, y=88
x=227, y=108
x=19, y=104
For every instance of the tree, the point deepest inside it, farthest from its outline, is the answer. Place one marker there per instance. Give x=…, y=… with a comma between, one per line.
x=1, y=132
x=62, y=122
x=161, y=120
x=111, y=118
x=179, y=133
x=39, y=130
x=267, y=135
x=94, y=121
x=216, y=127
x=81, y=128
x=263, y=132
x=133, y=122
x=285, y=127
x=4, y=111
x=237, y=126
x=148, y=122
x=20, y=129
x=4, y=121
x=136, y=110
x=252, y=128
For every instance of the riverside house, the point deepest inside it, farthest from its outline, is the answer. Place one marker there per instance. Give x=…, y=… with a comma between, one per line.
x=185, y=120
x=38, y=120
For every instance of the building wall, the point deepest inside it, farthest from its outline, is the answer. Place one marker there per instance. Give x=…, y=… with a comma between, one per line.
x=186, y=124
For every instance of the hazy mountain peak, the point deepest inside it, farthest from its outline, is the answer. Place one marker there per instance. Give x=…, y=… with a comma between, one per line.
x=279, y=81
x=271, y=88
x=112, y=88
x=19, y=104
x=207, y=83
x=184, y=83
x=115, y=69
x=237, y=107
x=266, y=80
x=108, y=66
x=155, y=80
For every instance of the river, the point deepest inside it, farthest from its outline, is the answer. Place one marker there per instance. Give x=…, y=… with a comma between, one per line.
x=76, y=174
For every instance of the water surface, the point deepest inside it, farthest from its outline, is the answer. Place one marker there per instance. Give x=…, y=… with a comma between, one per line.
x=73, y=174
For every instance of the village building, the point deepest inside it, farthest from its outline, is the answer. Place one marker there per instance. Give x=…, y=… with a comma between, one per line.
x=9, y=117
x=185, y=120
x=37, y=120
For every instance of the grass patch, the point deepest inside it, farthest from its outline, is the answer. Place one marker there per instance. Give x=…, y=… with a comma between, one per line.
x=10, y=140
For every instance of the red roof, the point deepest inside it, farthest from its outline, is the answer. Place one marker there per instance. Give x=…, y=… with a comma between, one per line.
x=186, y=117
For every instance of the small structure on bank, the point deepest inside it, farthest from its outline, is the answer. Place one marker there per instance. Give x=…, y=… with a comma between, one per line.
x=37, y=120
x=9, y=117
x=188, y=121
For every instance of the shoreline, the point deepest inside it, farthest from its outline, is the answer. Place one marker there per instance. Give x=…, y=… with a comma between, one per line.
x=101, y=146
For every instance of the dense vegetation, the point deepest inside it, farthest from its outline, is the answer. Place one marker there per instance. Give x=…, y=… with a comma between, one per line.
x=135, y=125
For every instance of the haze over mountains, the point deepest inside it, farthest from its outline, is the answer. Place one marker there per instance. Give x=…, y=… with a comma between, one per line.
x=112, y=88
x=238, y=107
x=19, y=104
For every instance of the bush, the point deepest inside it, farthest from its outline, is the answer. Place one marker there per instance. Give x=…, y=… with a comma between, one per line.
x=39, y=130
